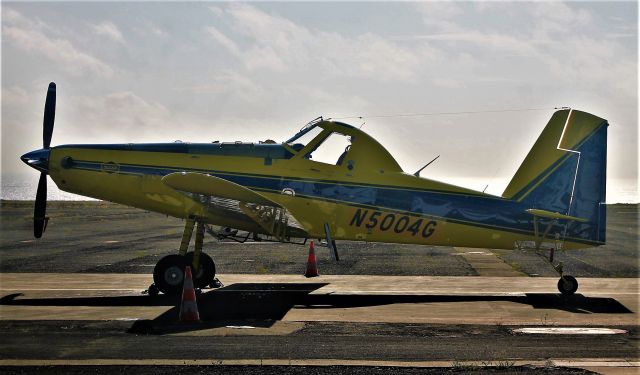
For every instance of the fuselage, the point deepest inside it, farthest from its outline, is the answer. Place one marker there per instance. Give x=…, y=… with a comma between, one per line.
x=389, y=207
x=364, y=196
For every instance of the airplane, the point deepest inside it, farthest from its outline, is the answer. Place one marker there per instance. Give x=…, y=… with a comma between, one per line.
x=278, y=192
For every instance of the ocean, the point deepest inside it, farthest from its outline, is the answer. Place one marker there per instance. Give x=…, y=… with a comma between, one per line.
x=23, y=188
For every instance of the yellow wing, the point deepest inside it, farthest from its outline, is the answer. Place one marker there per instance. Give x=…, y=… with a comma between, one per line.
x=238, y=203
x=204, y=184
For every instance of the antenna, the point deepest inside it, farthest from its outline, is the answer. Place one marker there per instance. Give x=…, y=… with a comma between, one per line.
x=417, y=174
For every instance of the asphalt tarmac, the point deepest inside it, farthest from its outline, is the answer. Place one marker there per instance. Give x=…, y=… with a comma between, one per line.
x=62, y=319
x=74, y=303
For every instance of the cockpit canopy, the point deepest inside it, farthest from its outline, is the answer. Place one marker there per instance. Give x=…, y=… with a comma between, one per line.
x=340, y=144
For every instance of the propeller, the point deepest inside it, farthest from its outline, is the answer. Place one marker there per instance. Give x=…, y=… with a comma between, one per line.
x=49, y=115
x=40, y=210
x=39, y=213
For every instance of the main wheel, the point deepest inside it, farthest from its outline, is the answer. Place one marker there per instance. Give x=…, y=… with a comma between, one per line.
x=168, y=274
x=205, y=274
x=567, y=285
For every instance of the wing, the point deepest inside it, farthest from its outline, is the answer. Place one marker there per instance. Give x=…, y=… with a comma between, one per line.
x=236, y=203
x=205, y=184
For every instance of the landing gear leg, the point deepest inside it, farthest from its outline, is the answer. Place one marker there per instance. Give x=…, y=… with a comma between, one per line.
x=203, y=266
x=567, y=285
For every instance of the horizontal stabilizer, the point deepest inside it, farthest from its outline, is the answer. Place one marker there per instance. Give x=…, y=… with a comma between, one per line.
x=554, y=215
x=205, y=184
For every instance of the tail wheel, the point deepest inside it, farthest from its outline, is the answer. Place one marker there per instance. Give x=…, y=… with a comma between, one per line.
x=206, y=271
x=168, y=274
x=567, y=285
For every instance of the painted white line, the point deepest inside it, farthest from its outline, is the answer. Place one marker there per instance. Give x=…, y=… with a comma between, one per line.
x=595, y=363
x=569, y=331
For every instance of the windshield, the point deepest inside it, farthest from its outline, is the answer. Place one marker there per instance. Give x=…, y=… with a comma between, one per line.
x=311, y=126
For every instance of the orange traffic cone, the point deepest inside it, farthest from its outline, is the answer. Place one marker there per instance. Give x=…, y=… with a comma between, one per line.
x=189, y=306
x=312, y=264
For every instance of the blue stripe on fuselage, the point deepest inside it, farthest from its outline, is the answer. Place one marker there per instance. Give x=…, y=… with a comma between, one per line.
x=482, y=211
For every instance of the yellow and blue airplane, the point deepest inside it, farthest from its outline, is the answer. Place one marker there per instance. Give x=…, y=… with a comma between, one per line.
x=279, y=192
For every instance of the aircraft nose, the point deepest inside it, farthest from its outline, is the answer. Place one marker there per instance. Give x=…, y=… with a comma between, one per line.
x=37, y=159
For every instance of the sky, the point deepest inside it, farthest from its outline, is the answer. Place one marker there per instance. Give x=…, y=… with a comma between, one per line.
x=204, y=71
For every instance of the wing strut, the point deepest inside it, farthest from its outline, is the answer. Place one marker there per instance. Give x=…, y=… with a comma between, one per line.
x=331, y=243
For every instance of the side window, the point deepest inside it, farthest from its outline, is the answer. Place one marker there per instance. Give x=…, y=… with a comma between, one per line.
x=331, y=150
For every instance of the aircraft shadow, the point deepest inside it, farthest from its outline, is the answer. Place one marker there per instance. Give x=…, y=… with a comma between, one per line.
x=576, y=304
x=265, y=303
x=261, y=301
x=240, y=300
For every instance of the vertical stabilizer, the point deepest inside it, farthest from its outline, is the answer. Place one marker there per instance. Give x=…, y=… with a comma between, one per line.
x=565, y=172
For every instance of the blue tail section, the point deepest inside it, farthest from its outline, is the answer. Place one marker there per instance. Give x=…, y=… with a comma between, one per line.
x=575, y=183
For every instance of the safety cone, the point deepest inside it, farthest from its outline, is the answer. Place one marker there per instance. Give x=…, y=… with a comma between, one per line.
x=312, y=264
x=189, y=306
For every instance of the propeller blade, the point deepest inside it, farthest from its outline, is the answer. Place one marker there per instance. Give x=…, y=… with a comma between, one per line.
x=49, y=115
x=40, y=211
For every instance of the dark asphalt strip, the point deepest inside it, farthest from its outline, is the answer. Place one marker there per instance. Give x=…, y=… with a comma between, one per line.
x=354, y=341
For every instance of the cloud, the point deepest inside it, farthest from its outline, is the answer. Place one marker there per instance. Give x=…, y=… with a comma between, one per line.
x=146, y=27
x=557, y=46
x=216, y=11
x=440, y=16
x=487, y=40
x=109, y=30
x=120, y=112
x=227, y=43
x=14, y=96
x=274, y=43
x=557, y=17
x=231, y=85
x=449, y=83
x=30, y=36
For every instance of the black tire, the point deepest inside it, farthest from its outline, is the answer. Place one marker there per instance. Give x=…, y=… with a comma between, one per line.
x=567, y=285
x=206, y=272
x=168, y=274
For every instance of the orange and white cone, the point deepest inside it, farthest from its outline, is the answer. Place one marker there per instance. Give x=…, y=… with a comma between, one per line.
x=189, y=306
x=312, y=264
